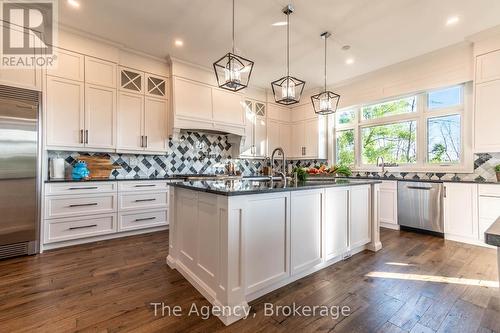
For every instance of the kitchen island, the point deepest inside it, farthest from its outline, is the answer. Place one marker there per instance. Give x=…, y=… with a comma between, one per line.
x=237, y=240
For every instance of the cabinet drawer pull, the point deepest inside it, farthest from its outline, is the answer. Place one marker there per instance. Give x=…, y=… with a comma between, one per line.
x=83, y=227
x=145, y=219
x=144, y=200
x=149, y=185
x=81, y=136
x=83, y=205
x=419, y=188
x=86, y=136
x=84, y=188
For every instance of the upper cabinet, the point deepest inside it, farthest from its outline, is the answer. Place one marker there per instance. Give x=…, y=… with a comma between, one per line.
x=93, y=105
x=254, y=143
x=201, y=106
x=27, y=78
x=487, y=100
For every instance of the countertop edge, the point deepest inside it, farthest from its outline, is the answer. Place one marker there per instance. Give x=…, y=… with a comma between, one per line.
x=492, y=235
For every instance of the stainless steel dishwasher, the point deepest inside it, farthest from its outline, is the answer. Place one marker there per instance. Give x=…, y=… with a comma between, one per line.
x=420, y=206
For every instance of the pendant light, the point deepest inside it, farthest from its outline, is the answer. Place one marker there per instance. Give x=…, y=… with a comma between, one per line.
x=233, y=71
x=288, y=89
x=326, y=102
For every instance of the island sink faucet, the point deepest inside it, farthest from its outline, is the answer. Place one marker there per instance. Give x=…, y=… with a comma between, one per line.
x=282, y=173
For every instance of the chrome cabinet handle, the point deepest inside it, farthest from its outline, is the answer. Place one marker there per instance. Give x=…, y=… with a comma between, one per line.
x=144, y=200
x=81, y=137
x=149, y=185
x=86, y=136
x=84, y=188
x=83, y=227
x=145, y=219
x=83, y=205
x=146, y=145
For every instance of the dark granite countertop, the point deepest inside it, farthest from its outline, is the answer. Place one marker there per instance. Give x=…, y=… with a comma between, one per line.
x=66, y=180
x=244, y=187
x=424, y=180
x=492, y=235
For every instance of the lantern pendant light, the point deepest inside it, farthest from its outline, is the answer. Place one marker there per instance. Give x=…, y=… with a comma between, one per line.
x=233, y=71
x=288, y=89
x=326, y=102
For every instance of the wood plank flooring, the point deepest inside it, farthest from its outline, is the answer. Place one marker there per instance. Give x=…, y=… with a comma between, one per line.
x=109, y=287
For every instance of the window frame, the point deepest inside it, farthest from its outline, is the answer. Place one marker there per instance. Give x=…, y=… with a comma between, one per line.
x=421, y=117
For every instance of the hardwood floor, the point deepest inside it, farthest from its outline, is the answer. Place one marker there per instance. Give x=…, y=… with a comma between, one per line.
x=109, y=287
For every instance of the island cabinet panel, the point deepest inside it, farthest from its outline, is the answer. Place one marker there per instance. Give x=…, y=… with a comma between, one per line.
x=359, y=216
x=305, y=228
x=266, y=240
x=186, y=207
x=336, y=213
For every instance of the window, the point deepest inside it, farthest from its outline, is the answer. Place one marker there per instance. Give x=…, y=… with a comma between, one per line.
x=391, y=108
x=345, y=116
x=396, y=143
x=345, y=147
x=444, y=98
x=421, y=132
x=444, y=144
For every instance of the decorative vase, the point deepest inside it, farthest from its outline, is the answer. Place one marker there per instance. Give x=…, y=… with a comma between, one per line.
x=498, y=177
x=80, y=171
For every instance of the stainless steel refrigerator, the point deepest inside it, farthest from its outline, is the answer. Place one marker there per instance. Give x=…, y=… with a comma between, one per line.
x=19, y=171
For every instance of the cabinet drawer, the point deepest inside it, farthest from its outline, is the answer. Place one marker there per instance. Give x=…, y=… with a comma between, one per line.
x=142, y=200
x=489, y=190
x=80, y=227
x=79, y=188
x=142, y=186
x=68, y=206
x=489, y=207
x=389, y=185
x=130, y=221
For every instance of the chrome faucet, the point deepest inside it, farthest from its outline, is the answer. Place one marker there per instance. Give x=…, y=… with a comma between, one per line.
x=383, y=164
x=282, y=173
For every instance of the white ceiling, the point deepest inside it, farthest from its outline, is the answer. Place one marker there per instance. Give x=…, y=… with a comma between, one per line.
x=380, y=32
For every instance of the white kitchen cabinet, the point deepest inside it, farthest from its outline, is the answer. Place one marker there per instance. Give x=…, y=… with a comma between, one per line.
x=141, y=220
x=131, y=80
x=359, y=216
x=254, y=144
x=65, y=119
x=71, y=228
x=305, y=229
x=388, y=205
x=488, y=67
x=227, y=107
x=273, y=135
x=192, y=100
x=309, y=139
x=297, y=149
x=336, y=241
x=155, y=124
x=460, y=212
x=130, y=122
x=70, y=65
x=285, y=135
x=156, y=86
x=486, y=114
x=100, y=117
x=267, y=245
x=28, y=78
x=489, y=207
x=100, y=72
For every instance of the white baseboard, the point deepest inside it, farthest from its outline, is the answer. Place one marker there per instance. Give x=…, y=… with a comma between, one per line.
x=389, y=226
x=466, y=240
x=51, y=246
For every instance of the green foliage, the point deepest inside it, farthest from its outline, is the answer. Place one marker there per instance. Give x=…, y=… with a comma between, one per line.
x=438, y=152
x=343, y=170
x=497, y=168
x=301, y=173
x=345, y=147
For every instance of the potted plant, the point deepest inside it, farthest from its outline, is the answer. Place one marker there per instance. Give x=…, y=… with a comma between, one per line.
x=497, y=170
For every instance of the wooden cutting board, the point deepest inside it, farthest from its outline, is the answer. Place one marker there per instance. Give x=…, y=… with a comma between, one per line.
x=99, y=166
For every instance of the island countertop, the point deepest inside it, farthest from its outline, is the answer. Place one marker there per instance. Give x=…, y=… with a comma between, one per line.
x=492, y=235
x=244, y=187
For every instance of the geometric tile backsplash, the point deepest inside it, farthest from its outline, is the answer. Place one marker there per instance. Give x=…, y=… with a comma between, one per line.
x=200, y=153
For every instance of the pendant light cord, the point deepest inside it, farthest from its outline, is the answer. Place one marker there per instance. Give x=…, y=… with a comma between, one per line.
x=288, y=44
x=233, y=28
x=325, y=60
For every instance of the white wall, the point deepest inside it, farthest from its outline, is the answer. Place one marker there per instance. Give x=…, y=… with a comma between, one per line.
x=444, y=67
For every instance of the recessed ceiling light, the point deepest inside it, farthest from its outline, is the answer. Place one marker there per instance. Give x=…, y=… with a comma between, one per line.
x=452, y=20
x=179, y=42
x=279, y=24
x=74, y=3
x=349, y=61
